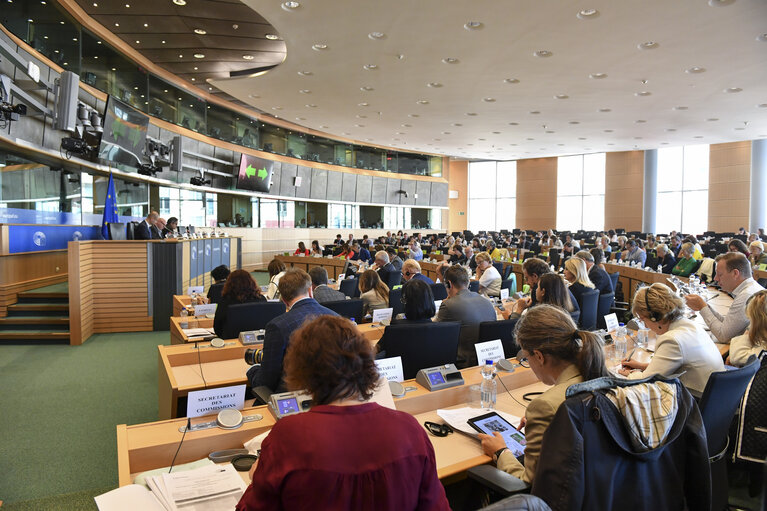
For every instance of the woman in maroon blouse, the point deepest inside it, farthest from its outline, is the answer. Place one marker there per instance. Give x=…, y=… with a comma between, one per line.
x=346, y=452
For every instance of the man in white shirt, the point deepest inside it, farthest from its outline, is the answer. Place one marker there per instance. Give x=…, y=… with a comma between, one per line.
x=733, y=271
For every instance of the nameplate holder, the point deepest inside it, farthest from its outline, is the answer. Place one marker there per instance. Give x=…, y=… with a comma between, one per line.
x=202, y=310
x=611, y=321
x=437, y=305
x=490, y=350
x=341, y=276
x=195, y=290
x=504, y=294
x=380, y=315
x=391, y=368
x=209, y=401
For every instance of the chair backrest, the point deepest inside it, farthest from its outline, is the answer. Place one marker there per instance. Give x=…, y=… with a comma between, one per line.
x=506, y=272
x=651, y=261
x=720, y=399
x=349, y=286
x=439, y=291
x=603, y=308
x=395, y=301
x=118, y=231
x=507, y=284
x=554, y=257
x=422, y=345
x=503, y=330
x=576, y=315
x=394, y=279
x=614, y=279
x=130, y=231
x=250, y=316
x=498, y=266
x=347, y=308
x=588, y=302
x=474, y=286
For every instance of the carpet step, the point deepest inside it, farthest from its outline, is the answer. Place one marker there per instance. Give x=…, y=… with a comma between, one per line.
x=33, y=335
x=34, y=320
x=38, y=307
x=28, y=297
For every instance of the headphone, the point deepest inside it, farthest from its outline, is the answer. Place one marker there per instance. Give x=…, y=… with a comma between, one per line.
x=653, y=315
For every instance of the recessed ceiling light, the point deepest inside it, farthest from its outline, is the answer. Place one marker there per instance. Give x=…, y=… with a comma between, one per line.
x=376, y=35
x=649, y=45
x=179, y=2
x=712, y=119
x=761, y=105
x=303, y=73
x=300, y=118
x=310, y=105
x=406, y=125
x=95, y=4
x=117, y=24
x=305, y=91
x=163, y=41
x=361, y=116
x=146, y=25
x=137, y=42
x=587, y=14
x=529, y=138
x=598, y=76
x=363, y=104
x=127, y=6
x=200, y=31
x=199, y=55
x=561, y=96
x=482, y=139
x=195, y=68
x=732, y=90
x=413, y=115
x=446, y=133
x=695, y=70
x=608, y=131
x=640, y=121
x=115, y=69
x=324, y=127
x=513, y=124
x=582, y=138
x=457, y=124
x=543, y=53
x=319, y=46
x=249, y=95
x=643, y=93
x=423, y=101
x=248, y=57
x=450, y=60
x=291, y=6
x=434, y=85
x=180, y=56
x=698, y=136
x=671, y=130
x=473, y=25
x=193, y=79
x=739, y=129
x=680, y=108
x=471, y=114
x=488, y=100
x=272, y=37
x=366, y=88
x=574, y=122
x=762, y=37
x=370, y=67
x=276, y=108
x=720, y=3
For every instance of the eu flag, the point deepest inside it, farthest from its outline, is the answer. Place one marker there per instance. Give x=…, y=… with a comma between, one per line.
x=110, y=208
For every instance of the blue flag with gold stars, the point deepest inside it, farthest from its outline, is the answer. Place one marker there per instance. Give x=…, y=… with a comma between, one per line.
x=110, y=208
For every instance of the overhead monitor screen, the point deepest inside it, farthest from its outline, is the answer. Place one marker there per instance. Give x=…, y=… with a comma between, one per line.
x=124, y=134
x=255, y=174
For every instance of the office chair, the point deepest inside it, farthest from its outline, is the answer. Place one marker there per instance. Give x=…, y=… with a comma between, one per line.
x=131, y=230
x=395, y=301
x=118, y=231
x=349, y=287
x=509, y=284
x=614, y=280
x=506, y=272
x=250, y=316
x=439, y=291
x=604, y=305
x=394, y=279
x=421, y=345
x=589, y=303
x=351, y=309
x=575, y=315
x=554, y=258
x=474, y=286
x=503, y=330
x=498, y=266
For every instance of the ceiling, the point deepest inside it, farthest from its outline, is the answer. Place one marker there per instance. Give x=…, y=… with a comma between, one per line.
x=197, y=41
x=704, y=80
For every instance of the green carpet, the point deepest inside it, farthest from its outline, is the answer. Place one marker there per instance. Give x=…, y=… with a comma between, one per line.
x=60, y=406
x=61, y=287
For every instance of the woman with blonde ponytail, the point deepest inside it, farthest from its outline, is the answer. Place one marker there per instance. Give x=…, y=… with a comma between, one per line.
x=560, y=355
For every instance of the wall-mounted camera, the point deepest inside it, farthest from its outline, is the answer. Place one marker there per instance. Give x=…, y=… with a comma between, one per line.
x=148, y=169
x=157, y=152
x=8, y=111
x=199, y=181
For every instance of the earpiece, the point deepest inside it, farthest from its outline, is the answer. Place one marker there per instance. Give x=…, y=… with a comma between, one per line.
x=653, y=315
x=448, y=285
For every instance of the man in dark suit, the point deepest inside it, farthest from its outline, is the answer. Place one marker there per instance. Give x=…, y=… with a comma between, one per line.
x=412, y=270
x=597, y=275
x=470, y=309
x=382, y=265
x=394, y=259
x=665, y=258
x=146, y=230
x=320, y=289
x=296, y=292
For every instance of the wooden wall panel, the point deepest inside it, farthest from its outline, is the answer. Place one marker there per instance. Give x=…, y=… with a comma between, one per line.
x=624, y=184
x=22, y=272
x=729, y=185
x=537, y=193
x=458, y=179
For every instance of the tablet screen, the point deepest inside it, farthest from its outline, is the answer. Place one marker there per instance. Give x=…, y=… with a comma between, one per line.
x=436, y=378
x=492, y=422
x=287, y=406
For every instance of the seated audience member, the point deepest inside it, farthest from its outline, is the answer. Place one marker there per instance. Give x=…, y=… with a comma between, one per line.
x=346, y=452
x=219, y=275
x=146, y=229
x=361, y=253
x=560, y=355
x=634, y=254
x=441, y=268
x=621, y=245
x=551, y=289
x=651, y=243
x=296, y=294
x=604, y=244
x=170, y=228
x=412, y=270
x=493, y=251
x=599, y=258
x=675, y=245
x=754, y=341
x=276, y=269
x=742, y=231
x=489, y=278
x=613, y=236
x=320, y=289
x=456, y=254
x=417, y=302
x=374, y=293
x=665, y=258
x=415, y=251
x=735, y=245
x=347, y=252
x=470, y=309
x=394, y=259
x=301, y=250
x=576, y=275
x=681, y=345
x=697, y=250
x=471, y=260
x=338, y=241
x=757, y=254
x=597, y=275
x=316, y=248
x=686, y=262
x=532, y=270
x=239, y=288
x=733, y=271
x=382, y=265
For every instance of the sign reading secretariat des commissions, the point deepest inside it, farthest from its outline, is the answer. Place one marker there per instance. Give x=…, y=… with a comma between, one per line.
x=255, y=174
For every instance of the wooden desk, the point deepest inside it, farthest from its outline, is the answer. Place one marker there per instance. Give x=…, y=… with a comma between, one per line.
x=334, y=266
x=177, y=336
x=179, y=302
x=631, y=278
x=149, y=446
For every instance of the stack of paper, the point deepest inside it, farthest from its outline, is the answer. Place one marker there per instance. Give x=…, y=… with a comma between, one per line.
x=210, y=488
x=198, y=332
x=458, y=418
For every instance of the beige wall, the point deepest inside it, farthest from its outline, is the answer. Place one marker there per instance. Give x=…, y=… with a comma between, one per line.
x=729, y=185
x=624, y=182
x=458, y=209
x=537, y=193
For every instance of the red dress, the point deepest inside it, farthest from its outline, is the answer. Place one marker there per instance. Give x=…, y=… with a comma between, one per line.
x=299, y=251
x=362, y=457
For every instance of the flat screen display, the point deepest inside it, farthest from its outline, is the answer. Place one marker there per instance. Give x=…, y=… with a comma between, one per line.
x=492, y=423
x=255, y=174
x=436, y=378
x=287, y=406
x=124, y=134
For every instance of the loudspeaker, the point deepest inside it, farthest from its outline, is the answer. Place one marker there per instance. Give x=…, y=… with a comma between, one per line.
x=297, y=181
x=177, y=154
x=66, y=102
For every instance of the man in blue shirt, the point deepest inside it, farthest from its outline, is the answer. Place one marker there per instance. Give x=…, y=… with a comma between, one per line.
x=412, y=270
x=415, y=251
x=634, y=253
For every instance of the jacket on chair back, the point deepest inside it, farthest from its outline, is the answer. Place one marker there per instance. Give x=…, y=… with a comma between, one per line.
x=650, y=454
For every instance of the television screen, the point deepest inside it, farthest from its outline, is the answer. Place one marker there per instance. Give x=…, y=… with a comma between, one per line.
x=124, y=134
x=255, y=174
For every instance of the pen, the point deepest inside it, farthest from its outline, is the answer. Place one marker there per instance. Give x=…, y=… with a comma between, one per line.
x=630, y=355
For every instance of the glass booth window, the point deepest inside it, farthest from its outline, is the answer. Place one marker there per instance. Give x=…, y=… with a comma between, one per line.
x=132, y=198
x=343, y=216
x=105, y=69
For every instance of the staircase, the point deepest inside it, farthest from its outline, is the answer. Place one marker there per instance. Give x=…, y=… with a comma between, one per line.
x=37, y=316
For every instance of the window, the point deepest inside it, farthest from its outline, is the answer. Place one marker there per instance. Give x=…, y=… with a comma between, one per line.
x=581, y=192
x=492, y=195
x=682, y=200
x=343, y=216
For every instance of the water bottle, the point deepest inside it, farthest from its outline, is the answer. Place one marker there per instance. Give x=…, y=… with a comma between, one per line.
x=488, y=389
x=620, y=342
x=184, y=314
x=660, y=268
x=352, y=320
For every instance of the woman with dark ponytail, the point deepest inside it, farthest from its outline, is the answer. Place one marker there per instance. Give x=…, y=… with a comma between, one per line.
x=560, y=355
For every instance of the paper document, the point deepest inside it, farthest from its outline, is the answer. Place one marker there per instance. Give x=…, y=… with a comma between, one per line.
x=128, y=498
x=198, y=332
x=457, y=418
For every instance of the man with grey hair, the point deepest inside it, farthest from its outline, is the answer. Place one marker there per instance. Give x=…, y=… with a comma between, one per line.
x=415, y=251
x=597, y=275
x=470, y=262
x=384, y=268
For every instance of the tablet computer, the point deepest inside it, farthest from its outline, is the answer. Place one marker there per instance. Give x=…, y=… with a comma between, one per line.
x=492, y=422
